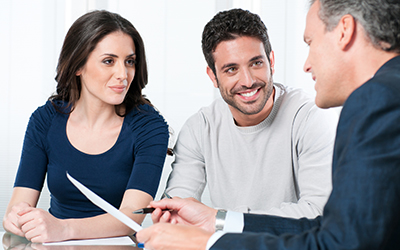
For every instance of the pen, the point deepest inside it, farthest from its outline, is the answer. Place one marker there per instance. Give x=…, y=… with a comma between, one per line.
x=146, y=210
x=149, y=210
x=165, y=195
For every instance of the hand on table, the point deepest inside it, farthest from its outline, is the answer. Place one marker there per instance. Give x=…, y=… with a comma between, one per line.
x=10, y=220
x=173, y=237
x=40, y=226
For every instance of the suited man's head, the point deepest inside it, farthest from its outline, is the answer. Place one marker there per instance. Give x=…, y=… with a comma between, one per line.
x=349, y=40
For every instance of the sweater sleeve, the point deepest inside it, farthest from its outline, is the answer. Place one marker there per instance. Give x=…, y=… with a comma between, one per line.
x=188, y=176
x=313, y=136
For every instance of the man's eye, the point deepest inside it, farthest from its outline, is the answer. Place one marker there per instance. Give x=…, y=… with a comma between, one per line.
x=258, y=63
x=231, y=70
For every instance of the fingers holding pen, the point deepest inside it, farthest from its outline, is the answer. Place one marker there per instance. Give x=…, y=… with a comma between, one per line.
x=160, y=216
x=174, y=203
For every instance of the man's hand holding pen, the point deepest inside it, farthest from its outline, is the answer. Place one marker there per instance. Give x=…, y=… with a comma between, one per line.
x=148, y=210
x=176, y=210
x=186, y=213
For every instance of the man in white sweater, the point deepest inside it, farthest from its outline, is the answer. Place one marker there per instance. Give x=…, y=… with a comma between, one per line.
x=264, y=148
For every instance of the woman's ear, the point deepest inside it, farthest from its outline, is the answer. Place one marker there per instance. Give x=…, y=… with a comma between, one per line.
x=79, y=72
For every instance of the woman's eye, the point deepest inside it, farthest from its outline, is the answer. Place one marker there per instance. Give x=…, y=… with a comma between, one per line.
x=131, y=62
x=108, y=61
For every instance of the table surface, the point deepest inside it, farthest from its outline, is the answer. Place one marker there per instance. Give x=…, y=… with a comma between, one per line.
x=11, y=241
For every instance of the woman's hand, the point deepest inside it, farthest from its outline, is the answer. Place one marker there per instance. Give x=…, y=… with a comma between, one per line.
x=40, y=226
x=10, y=220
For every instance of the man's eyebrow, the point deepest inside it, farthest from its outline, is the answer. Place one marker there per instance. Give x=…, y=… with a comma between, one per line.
x=257, y=58
x=228, y=65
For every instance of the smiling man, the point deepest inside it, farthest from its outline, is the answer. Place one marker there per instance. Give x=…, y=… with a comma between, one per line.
x=262, y=148
x=354, y=58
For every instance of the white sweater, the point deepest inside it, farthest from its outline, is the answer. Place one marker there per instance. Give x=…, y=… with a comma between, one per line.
x=281, y=166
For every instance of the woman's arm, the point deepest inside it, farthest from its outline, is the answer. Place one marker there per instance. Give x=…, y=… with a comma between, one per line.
x=40, y=226
x=21, y=199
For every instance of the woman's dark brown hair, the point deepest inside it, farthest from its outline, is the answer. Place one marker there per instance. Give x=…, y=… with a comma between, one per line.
x=83, y=36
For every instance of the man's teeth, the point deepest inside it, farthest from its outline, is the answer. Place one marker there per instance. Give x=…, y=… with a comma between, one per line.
x=249, y=93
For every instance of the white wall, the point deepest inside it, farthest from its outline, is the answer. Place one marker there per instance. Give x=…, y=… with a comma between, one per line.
x=31, y=35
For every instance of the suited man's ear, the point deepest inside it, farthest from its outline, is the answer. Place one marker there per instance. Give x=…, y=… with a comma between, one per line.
x=346, y=30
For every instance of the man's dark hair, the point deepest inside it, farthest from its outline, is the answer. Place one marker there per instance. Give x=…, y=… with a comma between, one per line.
x=229, y=25
x=379, y=18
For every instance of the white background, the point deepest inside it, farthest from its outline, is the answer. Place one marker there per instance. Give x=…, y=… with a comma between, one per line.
x=32, y=32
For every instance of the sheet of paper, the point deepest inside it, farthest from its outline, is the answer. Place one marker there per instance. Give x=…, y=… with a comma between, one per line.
x=114, y=241
x=98, y=201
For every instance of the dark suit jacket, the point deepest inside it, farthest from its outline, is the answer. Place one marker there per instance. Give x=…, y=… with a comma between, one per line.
x=363, y=211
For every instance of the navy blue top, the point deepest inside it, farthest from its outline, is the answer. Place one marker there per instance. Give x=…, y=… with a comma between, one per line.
x=134, y=162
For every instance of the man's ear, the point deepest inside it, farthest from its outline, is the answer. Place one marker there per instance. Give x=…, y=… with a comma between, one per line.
x=212, y=76
x=347, y=29
x=272, y=61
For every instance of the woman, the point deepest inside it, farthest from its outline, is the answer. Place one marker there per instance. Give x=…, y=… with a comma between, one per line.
x=99, y=128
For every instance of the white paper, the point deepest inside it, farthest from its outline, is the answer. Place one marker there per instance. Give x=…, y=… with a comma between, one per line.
x=97, y=200
x=114, y=241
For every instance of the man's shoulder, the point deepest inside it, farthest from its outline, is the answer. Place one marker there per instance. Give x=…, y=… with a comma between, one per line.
x=300, y=105
x=384, y=86
x=216, y=107
x=291, y=100
x=294, y=96
x=211, y=113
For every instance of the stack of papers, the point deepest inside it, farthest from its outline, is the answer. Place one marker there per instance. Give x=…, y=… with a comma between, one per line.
x=114, y=241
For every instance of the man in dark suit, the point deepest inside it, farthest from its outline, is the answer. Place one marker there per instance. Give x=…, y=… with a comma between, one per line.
x=354, y=59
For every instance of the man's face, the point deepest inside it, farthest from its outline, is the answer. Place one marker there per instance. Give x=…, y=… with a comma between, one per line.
x=243, y=75
x=323, y=62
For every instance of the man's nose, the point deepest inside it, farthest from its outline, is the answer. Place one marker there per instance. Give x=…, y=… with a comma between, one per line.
x=307, y=66
x=247, y=78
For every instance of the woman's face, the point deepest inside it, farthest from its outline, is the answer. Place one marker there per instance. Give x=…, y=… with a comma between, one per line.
x=109, y=70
